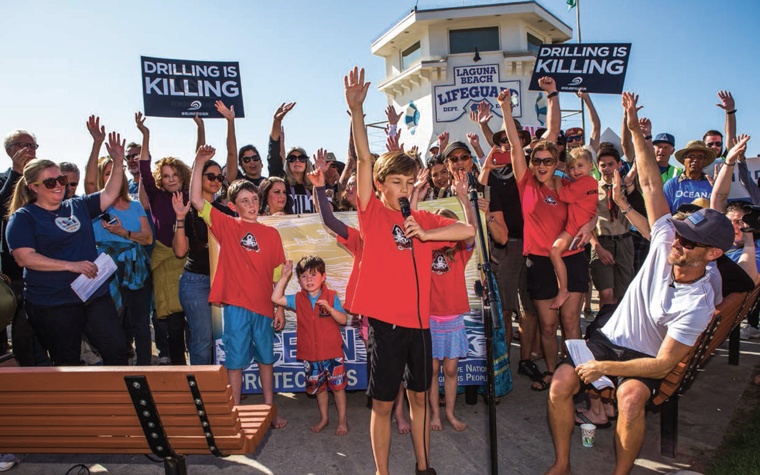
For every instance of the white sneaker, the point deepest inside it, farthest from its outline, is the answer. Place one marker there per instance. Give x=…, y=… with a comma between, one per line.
x=7, y=462
x=749, y=332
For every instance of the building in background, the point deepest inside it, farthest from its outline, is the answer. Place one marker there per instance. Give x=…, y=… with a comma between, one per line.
x=441, y=62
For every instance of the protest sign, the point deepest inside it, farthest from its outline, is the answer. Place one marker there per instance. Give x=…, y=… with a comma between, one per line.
x=473, y=85
x=593, y=67
x=183, y=88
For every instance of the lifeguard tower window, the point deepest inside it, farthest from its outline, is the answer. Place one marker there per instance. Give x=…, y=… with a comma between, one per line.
x=465, y=41
x=534, y=44
x=410, y=56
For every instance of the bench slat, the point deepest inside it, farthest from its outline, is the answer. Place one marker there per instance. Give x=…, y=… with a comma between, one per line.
x=217, y=420
x=53, y=409
x=110, y=397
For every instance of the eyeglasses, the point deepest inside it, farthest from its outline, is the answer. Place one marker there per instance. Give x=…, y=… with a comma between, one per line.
x=463, y=157
x=213, y=177
x=132, y=156
x=252, y=158
x=50, y=183
x=714, y=144
x=574, y=138
x=547, y=162
x=300, y=158
x=33, y=146
x=695, y=156
x=689, y=244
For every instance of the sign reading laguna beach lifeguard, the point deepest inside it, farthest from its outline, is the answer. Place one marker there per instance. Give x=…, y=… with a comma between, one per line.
x=472, y=85
x=593, y=67
x=183, y=88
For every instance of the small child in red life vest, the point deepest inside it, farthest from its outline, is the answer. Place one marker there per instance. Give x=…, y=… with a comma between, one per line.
x=319, y=315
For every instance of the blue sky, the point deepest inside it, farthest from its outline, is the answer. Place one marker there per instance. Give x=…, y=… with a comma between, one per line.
x=66, y=60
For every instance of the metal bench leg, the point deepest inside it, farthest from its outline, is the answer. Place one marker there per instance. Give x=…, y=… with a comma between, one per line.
x=669, y=427
x=733, y=347
x=175, y=465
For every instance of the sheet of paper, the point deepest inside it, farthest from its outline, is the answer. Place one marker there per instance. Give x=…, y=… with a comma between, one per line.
x=84, y=287
x=580, y=354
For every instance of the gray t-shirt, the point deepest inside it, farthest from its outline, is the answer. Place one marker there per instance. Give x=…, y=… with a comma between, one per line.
x=655, y=306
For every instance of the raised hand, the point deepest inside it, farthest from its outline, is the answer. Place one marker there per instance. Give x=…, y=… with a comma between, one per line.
x=198, y=120
x=547, y=84
x=287, y=269
x=227, y=112
x=646, y=125
x=473, y=139
x=20, y=159
x=392, y=115
x=629, y=101
x=316, y=177
x=582, y=93
x=460, y=183
x=320, y=160
x=283, y=110
x=97, y=131
x=140, y=121
x=356, y=88
x=474, y=116
x=443, y=141
x=204, y=154
x=180, y=207
x=484, y=112
x=115, y=146
x=617, y=191
x=414, y=151
x=505, y=101
x=738, y=149
x=392, y=143
x=727, y=102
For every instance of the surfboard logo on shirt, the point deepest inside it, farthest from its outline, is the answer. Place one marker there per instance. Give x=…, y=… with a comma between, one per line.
x=249, y=243
x=550, y=200
x=402, y=242
x=440, y=266
x=70, y=224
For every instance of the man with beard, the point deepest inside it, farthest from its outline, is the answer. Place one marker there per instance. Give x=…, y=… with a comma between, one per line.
x=667, y=306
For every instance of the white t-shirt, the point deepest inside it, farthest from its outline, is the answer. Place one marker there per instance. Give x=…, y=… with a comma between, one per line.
x=655, y=306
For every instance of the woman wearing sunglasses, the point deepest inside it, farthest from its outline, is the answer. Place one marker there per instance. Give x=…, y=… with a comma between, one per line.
x=293, y=168
x=191, y=241
x=545, y=217
x=53, y=240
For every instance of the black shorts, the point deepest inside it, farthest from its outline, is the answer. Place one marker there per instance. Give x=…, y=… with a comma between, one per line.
x=396, y=354
x=542, y=280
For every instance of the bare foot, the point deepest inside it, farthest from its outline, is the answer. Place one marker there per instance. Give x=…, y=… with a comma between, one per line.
x=557, y=470
x=609, y=410
x=342, y=429
x=403, y=425
x=560, y=299
x=458, y=425
x=435, y=423
x=279, y=422
x=316, y=428
x=596, y=419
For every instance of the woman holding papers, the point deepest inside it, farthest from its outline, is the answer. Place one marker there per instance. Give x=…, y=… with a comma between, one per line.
x=53, y=240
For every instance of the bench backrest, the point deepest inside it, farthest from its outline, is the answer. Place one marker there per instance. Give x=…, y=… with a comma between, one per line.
x=90, y=410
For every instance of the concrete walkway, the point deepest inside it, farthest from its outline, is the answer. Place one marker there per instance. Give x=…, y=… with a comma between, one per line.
x=524, y=442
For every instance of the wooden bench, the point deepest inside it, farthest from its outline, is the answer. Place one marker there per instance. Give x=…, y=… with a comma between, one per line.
x=725, y=322
x=170, y=411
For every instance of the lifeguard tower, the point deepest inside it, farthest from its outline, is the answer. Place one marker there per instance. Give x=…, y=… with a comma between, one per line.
x=441, y=62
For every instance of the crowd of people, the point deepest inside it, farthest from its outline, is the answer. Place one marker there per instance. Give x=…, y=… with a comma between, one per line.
x=661, y=244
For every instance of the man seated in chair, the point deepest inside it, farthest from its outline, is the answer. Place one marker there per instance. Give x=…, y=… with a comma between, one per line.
x=667, y=306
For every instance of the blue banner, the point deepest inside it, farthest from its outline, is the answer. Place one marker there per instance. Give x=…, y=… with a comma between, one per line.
x=183, y=88
x=593, y=67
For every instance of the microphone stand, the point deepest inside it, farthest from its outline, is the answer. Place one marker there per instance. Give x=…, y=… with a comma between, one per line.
x=490, y=302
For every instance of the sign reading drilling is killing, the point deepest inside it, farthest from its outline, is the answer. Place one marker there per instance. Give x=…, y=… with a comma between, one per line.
x=596, y=67
x=182, y=88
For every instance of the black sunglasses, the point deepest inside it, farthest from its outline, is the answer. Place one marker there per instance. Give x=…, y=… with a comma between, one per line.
x=504, y=140
x=300, y=158
x=132, y=156
x=212, y=177
x=714, y=144
x=688, y=243
x=547, y=162
x=50, y=183
x=463, y=157
x=254, y=158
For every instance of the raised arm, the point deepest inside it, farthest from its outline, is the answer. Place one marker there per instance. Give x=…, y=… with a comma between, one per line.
x=483, y=117
x=474, y=141
x=393, y=118
x=728, y=104
x=278, y=294
x=648, y=171
x=275, y=157
x=746, y=181
x=626, y=143
x=461, y=188
x=204, y=154
x=350, y=161
x=722, y=185
x=356, y=92
x=200, y=136
x=633, y=216
x=112, y=190
x=553, y=114
x=98, y=133
x=232, y=163
x=147, y=182
x=596, y=124
x=747, y=259
x=519, y=165
x=180, y=242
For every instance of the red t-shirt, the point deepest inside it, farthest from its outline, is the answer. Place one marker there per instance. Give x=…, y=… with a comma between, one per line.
x=544, y=216
x=248, y=255
x=354, y=245
x=386, y=288
x=583, y=196
x=449, y=294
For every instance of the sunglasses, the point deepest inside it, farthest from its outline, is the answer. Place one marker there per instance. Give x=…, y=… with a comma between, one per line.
x=504, y=140
x=50, y=183
x=300, y=158
x=574, y=138
x=132, y=156
x=463, y=158
x=547, y=162
x=714, y=144
x=253, y=158
x=212, y=177
x=73, y=184
x=689, y=244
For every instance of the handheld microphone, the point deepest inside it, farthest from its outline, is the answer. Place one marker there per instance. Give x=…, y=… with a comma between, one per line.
x=406, y=209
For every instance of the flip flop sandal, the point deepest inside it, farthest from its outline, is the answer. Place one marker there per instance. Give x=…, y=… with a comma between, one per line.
x=543, y=384
x=529, y=369
x=586, y=420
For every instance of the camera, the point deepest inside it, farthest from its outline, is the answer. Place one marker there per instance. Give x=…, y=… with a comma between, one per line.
x=751, y=218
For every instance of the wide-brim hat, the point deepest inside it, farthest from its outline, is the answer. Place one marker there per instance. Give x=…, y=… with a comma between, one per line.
x=706, y=226
x=698, y=146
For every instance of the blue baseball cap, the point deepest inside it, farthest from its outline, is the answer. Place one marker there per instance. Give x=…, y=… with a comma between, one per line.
x=665, y=138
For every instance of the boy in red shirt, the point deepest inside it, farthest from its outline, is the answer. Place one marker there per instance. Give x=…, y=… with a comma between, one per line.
x=319, y=315
x=249, y=255
x=393, y=288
